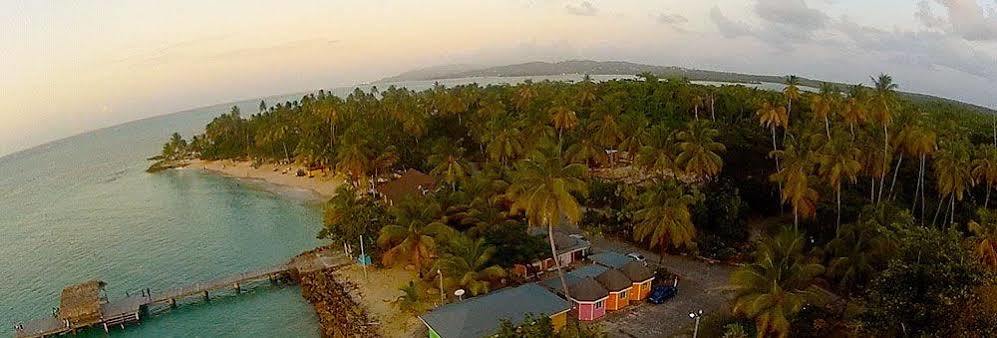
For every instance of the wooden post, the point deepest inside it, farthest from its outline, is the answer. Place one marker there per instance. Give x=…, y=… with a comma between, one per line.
x=105, y=328
x=173, y=302
x=238, y=288
x=206, y=298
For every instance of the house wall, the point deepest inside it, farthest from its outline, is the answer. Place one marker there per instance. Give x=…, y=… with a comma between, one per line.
x=616, y=301
x=593, y=310
x=641, y=290
x=559, y=320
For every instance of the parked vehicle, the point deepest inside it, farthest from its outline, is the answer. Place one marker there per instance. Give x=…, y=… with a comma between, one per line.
x=636, y=256
x=662, y=293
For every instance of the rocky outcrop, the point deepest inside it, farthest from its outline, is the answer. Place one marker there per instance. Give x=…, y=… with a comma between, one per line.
x=339, y=315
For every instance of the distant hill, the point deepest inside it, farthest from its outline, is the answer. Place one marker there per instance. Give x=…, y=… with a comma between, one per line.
x=624, y=68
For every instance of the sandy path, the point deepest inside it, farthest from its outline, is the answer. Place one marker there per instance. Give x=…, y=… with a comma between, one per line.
x=321, y=184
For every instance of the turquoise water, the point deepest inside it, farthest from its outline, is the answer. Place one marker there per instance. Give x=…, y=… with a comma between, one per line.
x=84, y=208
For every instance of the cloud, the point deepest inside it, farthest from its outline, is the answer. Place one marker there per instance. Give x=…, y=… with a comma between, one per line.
x=671, y=19
x=728, y=27
x=790, y=19
x=584, y=8
x=965, y=18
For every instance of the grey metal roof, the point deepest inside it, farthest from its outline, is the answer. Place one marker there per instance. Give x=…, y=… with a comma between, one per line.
x=480, y=316
x=573, y=277
x=611, y=259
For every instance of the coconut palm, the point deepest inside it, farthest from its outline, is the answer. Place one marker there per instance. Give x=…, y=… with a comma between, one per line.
x=542, y=188
x=413, y=236
x=777, y=285
x=823, y=104
x=663, y=218
x=838, y=160
x=985, y=238
x=635, y=134
x=953, y=174
x=985, y=168
x=699, y=150
x=882, y=101
x=854, y=112
x=467, y=265
x=920, y=143
x=658, y=156
x=525, y=94
x=448, y=163
x=791, y=92
x=795, y=180
x=353, y=155
x=857, y=253
x=584, y=150
x=563, y=118
x=504, y=140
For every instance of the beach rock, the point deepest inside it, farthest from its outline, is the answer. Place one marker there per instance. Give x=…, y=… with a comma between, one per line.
x=339, y=314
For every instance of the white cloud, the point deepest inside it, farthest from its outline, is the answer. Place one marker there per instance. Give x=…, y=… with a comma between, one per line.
x=584, y=8
x=965, y=18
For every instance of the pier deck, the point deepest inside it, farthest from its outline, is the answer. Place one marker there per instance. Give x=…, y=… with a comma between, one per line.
x=119, y=312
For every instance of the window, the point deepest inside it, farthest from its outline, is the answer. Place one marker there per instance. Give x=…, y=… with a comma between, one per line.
x=623, y=295
x=598, y=305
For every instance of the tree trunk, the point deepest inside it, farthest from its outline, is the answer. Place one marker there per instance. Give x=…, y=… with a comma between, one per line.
x=895, y=172
x=986, y=201
x=941, y=201
x=837, y=224
x=924, y=187
x=796, y=218
x=917, y=186
x=827, y=128
x=696, y=111
x=872, y=189
x=952, y=210
x=713, y=116
x=775, y=147
x=557, y=262
x=886, y=162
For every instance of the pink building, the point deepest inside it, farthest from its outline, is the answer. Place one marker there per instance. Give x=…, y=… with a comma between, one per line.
x=590, y=298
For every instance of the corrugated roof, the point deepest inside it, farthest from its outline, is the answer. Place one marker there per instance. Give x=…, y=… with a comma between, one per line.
x=611, y=259
x=614, y=280
x=636, y=271
x=480, y=316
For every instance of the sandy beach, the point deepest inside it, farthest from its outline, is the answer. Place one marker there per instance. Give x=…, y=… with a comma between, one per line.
x=323, y=184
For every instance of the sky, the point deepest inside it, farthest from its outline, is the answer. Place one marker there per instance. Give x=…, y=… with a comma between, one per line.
x=69, y=67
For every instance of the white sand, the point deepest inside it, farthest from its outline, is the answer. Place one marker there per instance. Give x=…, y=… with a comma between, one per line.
x=323, y=183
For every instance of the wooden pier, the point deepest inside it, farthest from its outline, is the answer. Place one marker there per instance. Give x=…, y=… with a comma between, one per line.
x=82, y=305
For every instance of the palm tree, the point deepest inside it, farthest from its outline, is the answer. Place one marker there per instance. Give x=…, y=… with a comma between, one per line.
x=823, y=104
x=777, y=285
x=791, y=91
x=883, y=100
x=448, y=162
x=952, y=174
x=858, y=252
x=838, y=160
x=413, y=236
x=635, y=134
x=586, y=151
x=658, y=156
x=563, y=119
x=699, y=150
x=525, y=94
x=543, y=187
x=466, y=265
x=854, y=111
x=353, y=156
x=504, y=140
x=985, y=168
x=985, y=237
x=920, y=143
x=663, y=218
x=795, y=180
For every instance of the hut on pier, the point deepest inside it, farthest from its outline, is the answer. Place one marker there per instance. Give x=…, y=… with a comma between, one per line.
x=80, y=303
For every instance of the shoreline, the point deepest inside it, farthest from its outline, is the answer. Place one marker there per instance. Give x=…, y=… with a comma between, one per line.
x=323, y=185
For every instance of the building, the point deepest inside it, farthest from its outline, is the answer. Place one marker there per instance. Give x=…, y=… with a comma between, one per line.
x=590, y=298
x=619, y=287
x=610, y=259
x=571, y=248
x=481, y=316
x=641, y=277
x=411, y=183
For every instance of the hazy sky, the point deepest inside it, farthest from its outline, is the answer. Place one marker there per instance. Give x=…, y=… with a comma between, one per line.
x=70, y=67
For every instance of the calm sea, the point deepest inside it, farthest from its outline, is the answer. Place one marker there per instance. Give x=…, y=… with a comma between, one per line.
x=84, y=208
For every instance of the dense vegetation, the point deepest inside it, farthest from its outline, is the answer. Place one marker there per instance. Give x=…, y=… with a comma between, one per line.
x=881, y=200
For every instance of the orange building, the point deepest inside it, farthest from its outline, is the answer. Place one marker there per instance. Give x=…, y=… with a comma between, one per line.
x=640, y=277
x=619, y=287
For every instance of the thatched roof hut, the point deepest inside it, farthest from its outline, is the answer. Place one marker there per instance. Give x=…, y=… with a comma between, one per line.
x=80, y=303
x=411, y=183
